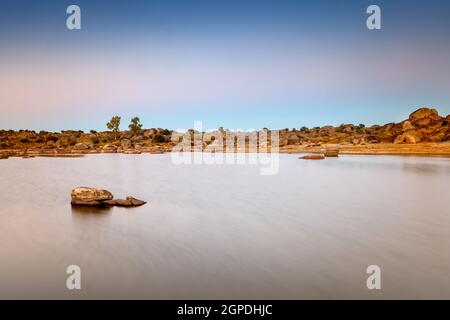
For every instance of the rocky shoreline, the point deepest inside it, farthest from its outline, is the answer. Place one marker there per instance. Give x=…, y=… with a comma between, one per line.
x=425, y=132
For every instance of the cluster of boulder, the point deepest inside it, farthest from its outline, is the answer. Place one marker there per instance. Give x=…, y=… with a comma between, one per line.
x=84, y=196
x=78, y=142
x=422, y=126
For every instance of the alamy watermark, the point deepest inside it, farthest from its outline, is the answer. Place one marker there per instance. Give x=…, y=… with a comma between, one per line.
x=374, y=280
x=225, y=147
x=73, y=21
x=73, y=281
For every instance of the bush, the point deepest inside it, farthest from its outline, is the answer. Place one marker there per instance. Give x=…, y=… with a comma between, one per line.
x=158, y=138
x=305, y=129
x=52, y=138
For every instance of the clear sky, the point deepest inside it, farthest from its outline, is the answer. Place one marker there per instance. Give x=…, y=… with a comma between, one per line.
x=243, y=64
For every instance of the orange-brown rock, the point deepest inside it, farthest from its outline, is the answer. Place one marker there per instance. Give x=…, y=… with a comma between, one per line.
x=410, y=136
x=407, y=126
x=313, y=157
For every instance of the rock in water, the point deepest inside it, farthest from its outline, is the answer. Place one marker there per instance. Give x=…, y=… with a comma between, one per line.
x=313, y=157
x=136, y=202
x=90, y=196
x=331, y=153
x=128, y=202
x=84, y=196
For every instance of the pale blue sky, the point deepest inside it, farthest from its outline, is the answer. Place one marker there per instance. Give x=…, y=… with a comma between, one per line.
x=237, y=64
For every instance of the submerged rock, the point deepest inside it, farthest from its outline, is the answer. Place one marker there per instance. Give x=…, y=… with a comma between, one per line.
x=84, y=196
x=313, y=157
x=128, y=202
x=331, y=153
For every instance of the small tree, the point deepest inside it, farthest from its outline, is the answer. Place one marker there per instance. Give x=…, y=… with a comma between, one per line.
x=304, y=128
x=114, y=125
x=135, y=125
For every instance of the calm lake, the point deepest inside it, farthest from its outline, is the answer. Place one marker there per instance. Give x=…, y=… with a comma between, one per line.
x=225, y=231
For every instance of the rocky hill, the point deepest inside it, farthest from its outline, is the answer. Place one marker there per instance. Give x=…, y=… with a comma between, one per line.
x=424, y=126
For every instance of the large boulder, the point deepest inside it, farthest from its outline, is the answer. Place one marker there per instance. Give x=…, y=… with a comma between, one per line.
x=109, y=148
x=424, y=113
x=81, y=146
x=90, y=196
x=84, y=196
x=410, y=137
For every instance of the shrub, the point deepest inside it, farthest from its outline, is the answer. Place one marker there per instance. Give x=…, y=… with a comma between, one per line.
x=158, y=138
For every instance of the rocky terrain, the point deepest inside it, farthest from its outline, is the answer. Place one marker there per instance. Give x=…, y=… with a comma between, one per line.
x=424, y=132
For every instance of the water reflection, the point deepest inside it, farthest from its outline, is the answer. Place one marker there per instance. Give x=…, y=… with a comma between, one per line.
x=90, y=210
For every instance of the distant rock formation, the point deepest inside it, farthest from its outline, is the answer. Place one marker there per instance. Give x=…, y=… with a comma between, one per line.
x=85, y=196
x=422, y=126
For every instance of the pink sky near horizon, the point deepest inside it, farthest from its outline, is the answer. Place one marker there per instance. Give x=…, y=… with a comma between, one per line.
x=39, y=85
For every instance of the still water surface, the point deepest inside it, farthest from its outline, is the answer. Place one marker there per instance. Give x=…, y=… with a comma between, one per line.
x=225, y=231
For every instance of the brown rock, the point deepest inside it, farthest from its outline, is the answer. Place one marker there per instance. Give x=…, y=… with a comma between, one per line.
x=90, y=196
x=424, y=113
x=313, y=157
x=407, y=126
x=128, y=202
x=81, y=146
x=423, y=122
x=331, y=153
x=136, y=202
x=109, y=148
x=126, y=143
x=410, y=137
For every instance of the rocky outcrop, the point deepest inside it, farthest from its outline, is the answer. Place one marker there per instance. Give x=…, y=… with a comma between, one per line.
x=424, y=114
x=85, y=196
x=90, y=196
x=422, y=126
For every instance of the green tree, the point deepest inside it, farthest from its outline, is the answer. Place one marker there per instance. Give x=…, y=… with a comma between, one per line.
x=135, y=125
x=114, y=125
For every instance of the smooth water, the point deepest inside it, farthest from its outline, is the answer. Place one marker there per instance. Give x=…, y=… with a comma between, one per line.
x=225, y=231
